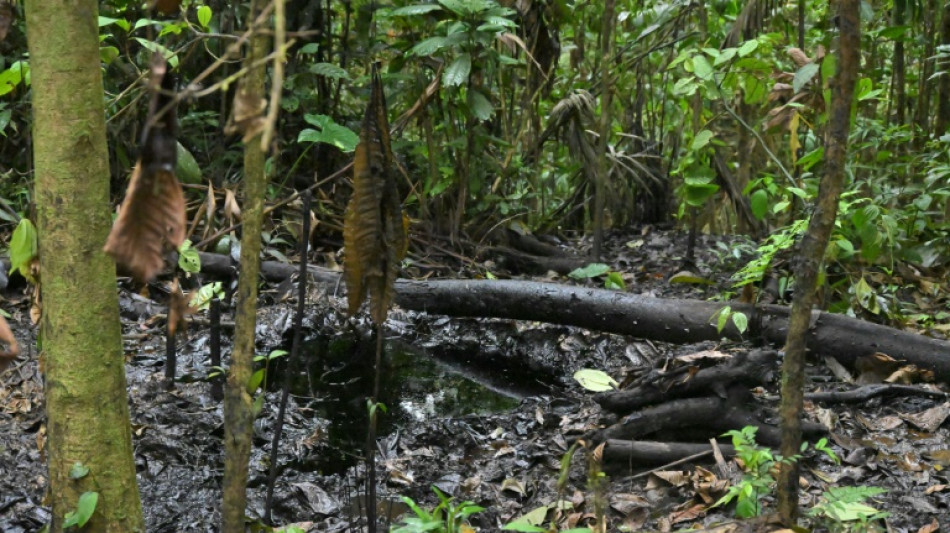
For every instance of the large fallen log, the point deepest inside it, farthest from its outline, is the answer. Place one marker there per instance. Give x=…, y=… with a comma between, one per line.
x=679, y=321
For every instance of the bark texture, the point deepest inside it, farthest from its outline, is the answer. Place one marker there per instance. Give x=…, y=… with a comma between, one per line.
x=238, y=417
x=86, y=400
x=812, y=250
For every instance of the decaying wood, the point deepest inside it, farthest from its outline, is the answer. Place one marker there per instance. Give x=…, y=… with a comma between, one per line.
x=640, y=453
x=711, y=414
x=679, y=321
x=862, y=394
x=751, y=369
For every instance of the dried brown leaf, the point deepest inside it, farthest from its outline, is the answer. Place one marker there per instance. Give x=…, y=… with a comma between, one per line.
x=247, y=116
x=152, y=217
x=374, y=235
x=12, y=349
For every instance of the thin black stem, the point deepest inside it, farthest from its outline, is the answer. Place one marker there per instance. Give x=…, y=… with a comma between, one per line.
x=217, y=382
x=292, y=358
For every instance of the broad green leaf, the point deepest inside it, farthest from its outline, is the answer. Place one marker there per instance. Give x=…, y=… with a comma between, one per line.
x=702, y=68
x=329, y=70
x=151, y=46
x=590, y=271
x=122, y=23
x=759, y=202
x=850, y=511
x=84, y=509
x=13, y=76
x=23, y=247
x=755, y=90
x=685, y=86
x=479, y=104
x=418, y=9
x=309, y=48
x=186, y=168
x=725, y=56
x=696, y=195
x=107, y=54
x=428, y=46
x=463, y=8
x=534, y=517
x=204, y=16
x=595, y=380
x=257, y=406
x=457, y=73
x=701, y=139
x=615, y=282
x=202, y=299
x=256, y=378
x=331, y=133
x=188, y=259
x=722, y=317
x=741, y=321
x=748, y=47
x=804, y=75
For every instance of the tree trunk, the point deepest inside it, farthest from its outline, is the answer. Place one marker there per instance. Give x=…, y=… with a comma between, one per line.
x=942, y=126
x=603, y=167
x=812, y=250
x=238, y=418
x=900, y=89
x=86, y=400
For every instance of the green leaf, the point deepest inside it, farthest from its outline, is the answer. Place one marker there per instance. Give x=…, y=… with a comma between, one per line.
x=701, y=139
x=204, y=16
x=13, y=76
x=188, y=259
x=480, y=105
x=463, y=8
x=257, y=406
x=331, y=133
x=696, y=195
x=804, y=75
x=725, y=56
x=418, y=9
x=309, y=48
x=151, y=46
x=84, y=509
x=202, y=299
x=329, y=70
x=595, y=380
x=590, y=271
x=741, y=321
x=523, y=526
x=107, y=54
x=457, y=73
x=256, y=379
x=759, y=202
x=702, y=68
x=615, y=282
x=122, y=23
x=78, y=471
x=428, y=46
x=748, y=47
x=186, y=168
x=23, y=247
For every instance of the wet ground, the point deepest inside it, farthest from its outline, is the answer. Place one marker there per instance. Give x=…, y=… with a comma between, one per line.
x=484, y=410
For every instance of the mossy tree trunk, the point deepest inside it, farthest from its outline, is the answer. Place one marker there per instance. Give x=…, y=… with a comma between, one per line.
x=812, y=250
x=238, y=417
x=86, y=399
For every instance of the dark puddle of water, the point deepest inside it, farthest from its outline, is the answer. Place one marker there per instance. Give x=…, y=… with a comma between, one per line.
x=414, y=387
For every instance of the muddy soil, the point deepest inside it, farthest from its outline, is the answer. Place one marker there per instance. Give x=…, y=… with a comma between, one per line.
x=483, y=410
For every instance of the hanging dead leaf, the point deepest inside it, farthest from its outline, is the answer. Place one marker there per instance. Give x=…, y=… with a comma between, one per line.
x=374, y=237
x=231, y=208
x=152, y=216
x=247, y=116
x=8, y=353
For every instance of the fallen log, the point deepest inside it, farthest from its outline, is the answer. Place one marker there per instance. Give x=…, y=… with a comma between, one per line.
x=644, y=453
x=751, y=370
x=678, y=321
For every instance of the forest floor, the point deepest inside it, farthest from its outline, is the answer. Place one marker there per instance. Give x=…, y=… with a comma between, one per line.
x=481, y=409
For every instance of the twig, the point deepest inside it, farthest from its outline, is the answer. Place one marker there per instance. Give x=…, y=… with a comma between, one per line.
x=277, y=80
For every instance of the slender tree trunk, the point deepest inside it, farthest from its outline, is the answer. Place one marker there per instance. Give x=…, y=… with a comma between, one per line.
x=600, y=186
x=925, y=84
x=811, y=252
x=86, y=399
x=238, y=418
x=942, y=124
x=900, y=89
